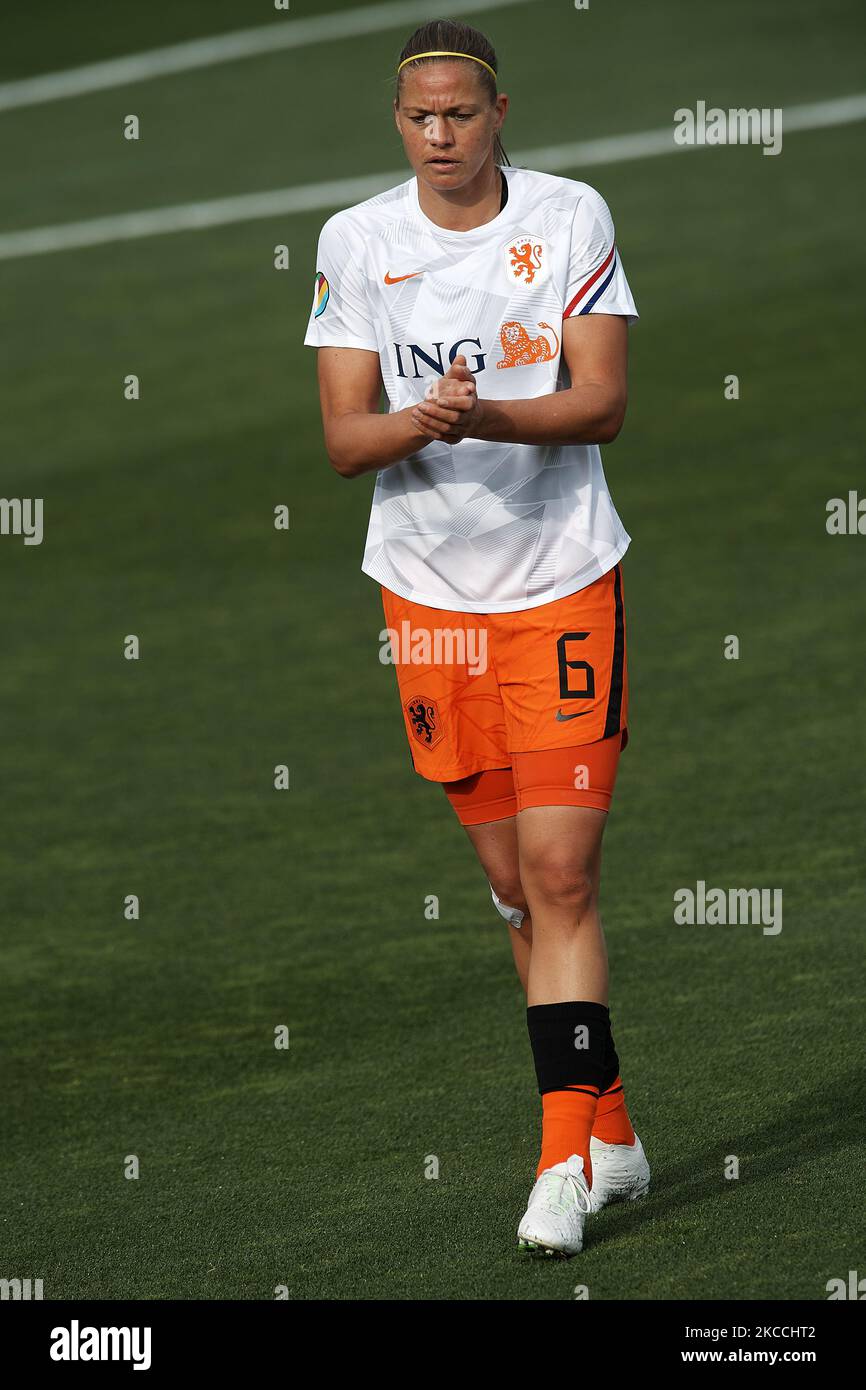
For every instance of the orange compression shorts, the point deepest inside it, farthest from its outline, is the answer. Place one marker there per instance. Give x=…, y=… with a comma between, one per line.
x=507, y=710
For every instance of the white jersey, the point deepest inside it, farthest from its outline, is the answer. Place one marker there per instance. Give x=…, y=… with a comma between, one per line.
x=479, y=526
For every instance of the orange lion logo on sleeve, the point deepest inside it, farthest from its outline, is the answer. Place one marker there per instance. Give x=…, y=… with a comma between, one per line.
x=520, y=350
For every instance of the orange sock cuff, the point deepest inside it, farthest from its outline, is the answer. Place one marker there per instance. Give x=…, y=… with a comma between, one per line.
x=567, y=1120
x=612, y=1124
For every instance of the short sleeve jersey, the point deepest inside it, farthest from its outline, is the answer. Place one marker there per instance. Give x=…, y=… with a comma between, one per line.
x=478, y=526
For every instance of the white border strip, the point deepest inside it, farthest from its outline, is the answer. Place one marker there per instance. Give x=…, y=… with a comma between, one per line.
x=341, y=193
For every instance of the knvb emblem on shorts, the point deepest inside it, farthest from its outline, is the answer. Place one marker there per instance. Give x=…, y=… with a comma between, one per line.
x=424, y=718
x=527, y=261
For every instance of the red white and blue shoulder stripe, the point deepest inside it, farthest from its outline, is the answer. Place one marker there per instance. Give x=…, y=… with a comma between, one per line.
x=582, y=302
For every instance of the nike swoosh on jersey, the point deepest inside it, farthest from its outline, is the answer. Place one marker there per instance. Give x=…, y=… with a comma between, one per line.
x=395, y=279
x=562, y=718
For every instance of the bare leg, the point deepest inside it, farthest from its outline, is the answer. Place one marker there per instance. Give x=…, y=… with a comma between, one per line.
x=495, y=843
x=559, y=870
x=521, y=948
x=557, y=849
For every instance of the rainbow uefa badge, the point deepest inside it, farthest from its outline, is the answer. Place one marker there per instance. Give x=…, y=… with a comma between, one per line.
x=321, y=295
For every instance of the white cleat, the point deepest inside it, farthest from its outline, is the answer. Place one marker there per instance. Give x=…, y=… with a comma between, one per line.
x=559, y=1204
x=620, y=1172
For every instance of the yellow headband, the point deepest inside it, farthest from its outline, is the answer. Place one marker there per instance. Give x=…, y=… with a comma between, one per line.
x=447, y=53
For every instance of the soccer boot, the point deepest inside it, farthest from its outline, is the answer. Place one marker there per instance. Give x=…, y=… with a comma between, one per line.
x=620, y=1172
x=559, y=1204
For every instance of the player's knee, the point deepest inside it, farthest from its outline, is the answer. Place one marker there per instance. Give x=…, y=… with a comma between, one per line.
x=563, y=884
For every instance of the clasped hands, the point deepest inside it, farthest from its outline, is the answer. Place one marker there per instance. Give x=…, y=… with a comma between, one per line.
x=450, y=409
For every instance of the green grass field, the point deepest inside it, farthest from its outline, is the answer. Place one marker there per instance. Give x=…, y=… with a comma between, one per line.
x=305, y=908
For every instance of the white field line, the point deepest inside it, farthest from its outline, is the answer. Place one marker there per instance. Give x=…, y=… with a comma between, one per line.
x=228, y=48
x=341, y=193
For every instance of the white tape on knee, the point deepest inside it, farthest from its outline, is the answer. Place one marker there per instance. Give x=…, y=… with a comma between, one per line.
x=513, y=915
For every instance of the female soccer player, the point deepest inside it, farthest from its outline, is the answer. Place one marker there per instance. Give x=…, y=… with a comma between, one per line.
x=491, y=303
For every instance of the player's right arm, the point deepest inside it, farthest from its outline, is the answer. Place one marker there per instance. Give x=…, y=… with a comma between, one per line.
x=359, y=438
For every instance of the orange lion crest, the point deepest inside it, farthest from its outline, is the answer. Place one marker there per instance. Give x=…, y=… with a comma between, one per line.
x=525, y=261
x=520, y=350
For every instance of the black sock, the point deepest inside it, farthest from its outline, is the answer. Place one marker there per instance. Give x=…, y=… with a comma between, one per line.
x=560, y=1064
x=611, y=1063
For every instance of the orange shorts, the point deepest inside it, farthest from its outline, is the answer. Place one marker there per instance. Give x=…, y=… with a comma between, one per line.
x=480, y=691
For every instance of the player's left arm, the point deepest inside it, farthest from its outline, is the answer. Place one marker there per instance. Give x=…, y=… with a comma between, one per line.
x=590, y=411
